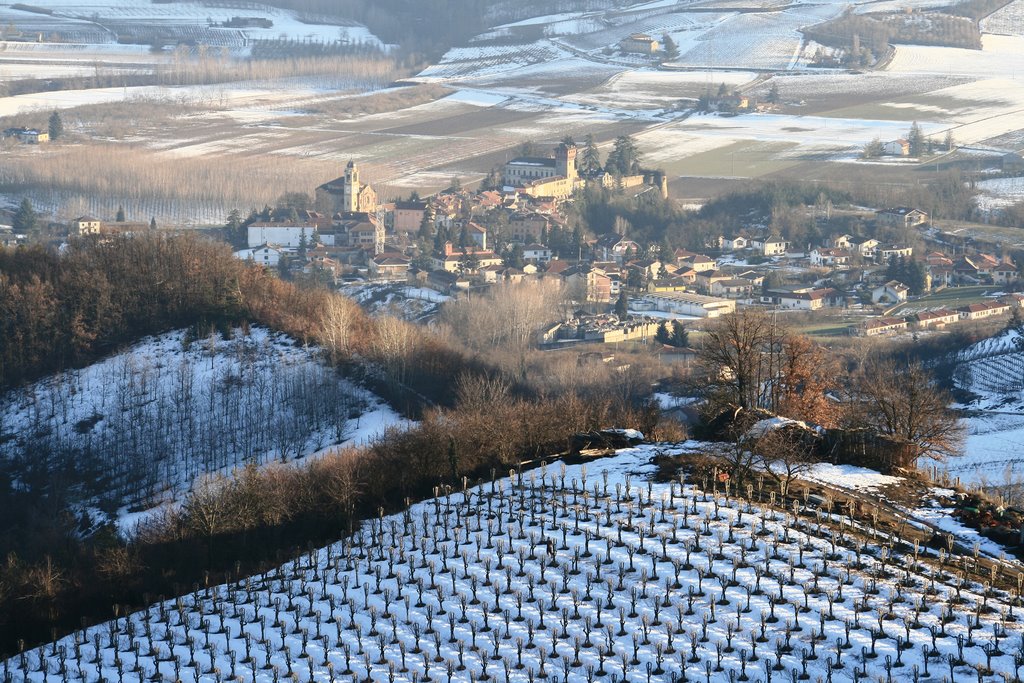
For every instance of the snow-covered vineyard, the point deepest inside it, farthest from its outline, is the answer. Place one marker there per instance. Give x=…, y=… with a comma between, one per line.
x=569, y=574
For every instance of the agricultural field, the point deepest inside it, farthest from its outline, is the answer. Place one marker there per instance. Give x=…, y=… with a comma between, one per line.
x=545, y=78
x=576, y=573
x=144, y=23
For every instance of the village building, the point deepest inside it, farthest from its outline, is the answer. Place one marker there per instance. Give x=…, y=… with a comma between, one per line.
x=894, y=251
x=901, y=217
x=264, y=255
x=821, y=257
x=464, y=260
x=389, y=267
x=612, y=246
x=804, y=298
x=362, y=230
x=346, y=194
x=984, y=309
x=892, y=292
x=934, y=319
x=732, y=288
x=407, y=216
x=284, y=234
x=688, y=304
x=866, y=247
x=536, y=253
x=592, y=283
x=697, y=263
x=86, y=225
x=876, y=327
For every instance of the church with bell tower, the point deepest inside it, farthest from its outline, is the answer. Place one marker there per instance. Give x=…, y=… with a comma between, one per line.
x=346, y=194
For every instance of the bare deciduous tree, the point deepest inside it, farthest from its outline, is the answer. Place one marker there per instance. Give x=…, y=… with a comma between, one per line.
x=903, y=402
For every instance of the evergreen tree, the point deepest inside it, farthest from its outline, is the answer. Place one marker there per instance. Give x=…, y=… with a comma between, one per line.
x=624, y=158
x=670, y=47
x=662, y=335
x=426, y=230
x=590, y=161
x=622, y=305
x=916, y=139
x=234, y=223
x=25, y=219
x=680, y=337
x=56, y=126
x=120, y=215
x=152, y=223
x=873, y=149
x=773, y=94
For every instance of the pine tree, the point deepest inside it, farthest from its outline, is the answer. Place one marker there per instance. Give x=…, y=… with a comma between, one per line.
x=120, y=214
x=590, y=161
x=916, y=139
x=25, y=219
x=773, y=94
x=662, y=335
x=624, y=158
x=56, y=126
x=670, y=47
x=622, y=305
x=152, y=223
x=680, y=337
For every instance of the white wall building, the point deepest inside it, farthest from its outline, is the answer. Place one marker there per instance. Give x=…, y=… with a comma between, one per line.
x=286, y=236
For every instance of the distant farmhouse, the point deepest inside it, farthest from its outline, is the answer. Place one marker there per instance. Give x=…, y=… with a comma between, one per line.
x=639, y=43
x=28, y=136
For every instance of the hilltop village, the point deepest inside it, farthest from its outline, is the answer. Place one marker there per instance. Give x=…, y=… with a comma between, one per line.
x=521, y=225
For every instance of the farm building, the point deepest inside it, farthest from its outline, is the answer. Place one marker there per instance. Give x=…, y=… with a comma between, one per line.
x=639, y=43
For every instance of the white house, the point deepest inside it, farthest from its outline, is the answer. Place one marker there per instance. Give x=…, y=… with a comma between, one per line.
x=804, y=299
x=287, y=236
x=894, y=251
x=735, y=243
x=536, y=253
x=892, y=292
x=263, y=255
x=866, y=247
x=770, y=246
x=896, y=148
x=829, y=257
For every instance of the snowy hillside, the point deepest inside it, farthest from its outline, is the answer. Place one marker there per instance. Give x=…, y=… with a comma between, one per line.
x=991, y=373
x=570, y=575
x=142, y=425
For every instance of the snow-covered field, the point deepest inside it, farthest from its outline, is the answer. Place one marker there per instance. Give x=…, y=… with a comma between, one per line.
x=998, y=193
x=147, y=422
x=102, y=21
x=571, y=574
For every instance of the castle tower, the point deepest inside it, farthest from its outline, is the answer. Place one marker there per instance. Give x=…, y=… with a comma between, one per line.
x=350, y=196
x=565, y=161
